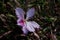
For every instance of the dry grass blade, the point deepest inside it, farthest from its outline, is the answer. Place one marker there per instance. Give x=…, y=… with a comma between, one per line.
x=6, y=33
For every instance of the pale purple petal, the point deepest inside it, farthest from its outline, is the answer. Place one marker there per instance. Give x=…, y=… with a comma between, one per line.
x=25, y=31
x=19, y=13
x=30, y=13
x=29, y=27
x=34, y=24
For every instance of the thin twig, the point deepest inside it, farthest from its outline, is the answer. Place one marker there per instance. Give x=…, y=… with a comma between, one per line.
x=6, y=33
x=35, y=34
x=53, y=36
x=18, y=4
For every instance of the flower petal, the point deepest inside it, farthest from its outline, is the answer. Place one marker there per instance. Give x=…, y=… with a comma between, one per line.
x=25, y=31
x=34, y=24
x=19, y=13
x=29, y=27
x=30, y=13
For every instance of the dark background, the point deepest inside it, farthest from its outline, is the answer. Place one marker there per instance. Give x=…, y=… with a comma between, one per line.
x=47, y=15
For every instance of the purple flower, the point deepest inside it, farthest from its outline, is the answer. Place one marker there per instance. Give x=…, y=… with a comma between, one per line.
x=26, y=25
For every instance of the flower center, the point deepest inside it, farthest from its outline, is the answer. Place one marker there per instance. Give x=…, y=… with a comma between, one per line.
x=22, y=22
